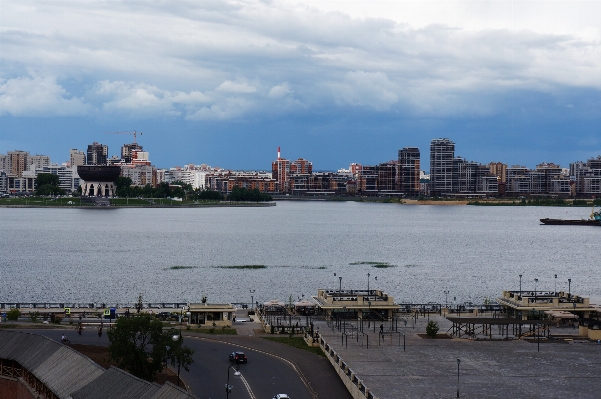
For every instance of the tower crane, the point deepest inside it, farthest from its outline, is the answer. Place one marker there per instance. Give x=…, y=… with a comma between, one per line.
x=134, y=132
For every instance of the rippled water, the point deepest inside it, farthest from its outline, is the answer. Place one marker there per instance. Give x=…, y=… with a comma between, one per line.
x=104, y=255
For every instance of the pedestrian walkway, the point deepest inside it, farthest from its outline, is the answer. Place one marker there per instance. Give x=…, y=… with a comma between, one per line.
x=428, y=368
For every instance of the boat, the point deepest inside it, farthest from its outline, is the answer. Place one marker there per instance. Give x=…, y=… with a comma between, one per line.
x=593, y=220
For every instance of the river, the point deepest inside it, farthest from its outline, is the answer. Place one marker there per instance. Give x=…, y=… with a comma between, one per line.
x=113, y=255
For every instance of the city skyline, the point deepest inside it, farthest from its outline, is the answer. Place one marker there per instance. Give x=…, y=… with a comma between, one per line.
x=334, y=82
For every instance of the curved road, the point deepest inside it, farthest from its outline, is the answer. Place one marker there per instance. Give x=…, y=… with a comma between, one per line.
x=265, y=374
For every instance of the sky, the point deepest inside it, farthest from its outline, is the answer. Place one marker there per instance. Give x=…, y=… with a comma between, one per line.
x=225, y=83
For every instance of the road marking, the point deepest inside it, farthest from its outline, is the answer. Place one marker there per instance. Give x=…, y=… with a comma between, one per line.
x=291, y=363
x=250, y=392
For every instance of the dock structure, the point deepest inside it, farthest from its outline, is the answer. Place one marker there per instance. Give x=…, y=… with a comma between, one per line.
x=527, y=305
x=363, y=304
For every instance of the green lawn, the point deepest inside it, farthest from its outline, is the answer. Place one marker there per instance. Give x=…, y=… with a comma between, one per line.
x=297, y=342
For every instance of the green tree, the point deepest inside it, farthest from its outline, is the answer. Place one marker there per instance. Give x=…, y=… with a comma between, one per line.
x=13, y=314
x=123, y=186
x=178, y=354
x=49, y=189
x=207, y=195
x=243, y=194
x=162, y=191
x=47, y=184
x=139, y=345
x=46, y=178
x=432, y=329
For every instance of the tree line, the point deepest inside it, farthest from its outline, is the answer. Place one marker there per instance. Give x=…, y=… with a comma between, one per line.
x=179, y=189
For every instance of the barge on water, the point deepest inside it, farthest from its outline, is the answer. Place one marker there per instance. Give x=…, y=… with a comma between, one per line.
x=593, y=220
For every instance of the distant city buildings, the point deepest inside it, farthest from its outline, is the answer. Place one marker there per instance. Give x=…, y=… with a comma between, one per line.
x=409, y=166
x=97, y=154
x=450, y=175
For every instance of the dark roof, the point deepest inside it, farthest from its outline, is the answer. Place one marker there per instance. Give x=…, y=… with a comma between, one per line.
x=69, y=374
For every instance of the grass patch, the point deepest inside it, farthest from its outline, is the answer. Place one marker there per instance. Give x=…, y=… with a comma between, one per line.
x=242, y=267
x=215, y=331
x=180, y=267
x=383, y=265
x=297, y=342
x=379, y=265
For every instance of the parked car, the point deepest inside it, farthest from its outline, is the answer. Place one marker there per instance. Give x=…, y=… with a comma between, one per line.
x=238, y=357
x=281, y=396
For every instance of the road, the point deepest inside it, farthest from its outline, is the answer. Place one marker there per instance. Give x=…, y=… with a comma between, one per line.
x=265, y=375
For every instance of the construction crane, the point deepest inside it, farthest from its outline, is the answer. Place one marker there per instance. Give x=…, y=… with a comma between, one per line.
x=135, y=133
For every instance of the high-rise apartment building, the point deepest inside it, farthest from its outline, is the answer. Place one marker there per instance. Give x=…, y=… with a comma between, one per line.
x=301, y=166
x=280, y=169
x=77, y=157
x=587, y=177
x=500, y=170
x=4, y=162
x=442, y=154
x=17, y=162
x=97, y=154
x=409, y=170
x=38, y=161
x=127, y=150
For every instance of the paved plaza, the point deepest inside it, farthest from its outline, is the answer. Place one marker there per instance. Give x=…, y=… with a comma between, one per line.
x=488, y=369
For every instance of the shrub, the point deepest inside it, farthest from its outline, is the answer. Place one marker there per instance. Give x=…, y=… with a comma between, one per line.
x=34, y=316
x=13, y=314
x=432, y=329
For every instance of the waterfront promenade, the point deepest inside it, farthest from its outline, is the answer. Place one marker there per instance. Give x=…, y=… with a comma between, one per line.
x=428, y=367
x=488, y=368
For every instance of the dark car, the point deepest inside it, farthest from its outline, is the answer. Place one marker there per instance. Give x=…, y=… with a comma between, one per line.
x=238, y=357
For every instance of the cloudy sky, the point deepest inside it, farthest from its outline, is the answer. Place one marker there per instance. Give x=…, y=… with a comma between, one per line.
x=226, y=82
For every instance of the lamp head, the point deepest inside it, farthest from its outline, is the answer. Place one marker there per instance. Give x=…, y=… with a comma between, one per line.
x=458, y=361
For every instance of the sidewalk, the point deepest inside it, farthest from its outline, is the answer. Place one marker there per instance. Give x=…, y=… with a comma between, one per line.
x=487, y=369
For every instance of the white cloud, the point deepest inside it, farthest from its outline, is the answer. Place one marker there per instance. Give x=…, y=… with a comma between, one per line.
x=280, y=91
x=233, y=87
x=38, y=96
x=146, y=100
x=371, y=90
x=229, y=109
x=195, y=60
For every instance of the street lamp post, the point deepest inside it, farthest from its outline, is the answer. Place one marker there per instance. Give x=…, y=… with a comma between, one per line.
x=179, y=340
x=446, y=302
x=340, y=288
x=237, y=373
x=368, y=283
x=555, y=290
x=458, y=361
x=369, y=313
x=520, y=285
x=569, y=287
x=252, y=299
x=535, y=285
x=536, y=331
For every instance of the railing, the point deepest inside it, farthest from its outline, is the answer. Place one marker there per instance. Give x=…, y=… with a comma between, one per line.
x=357, y=388
x=90, y=305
